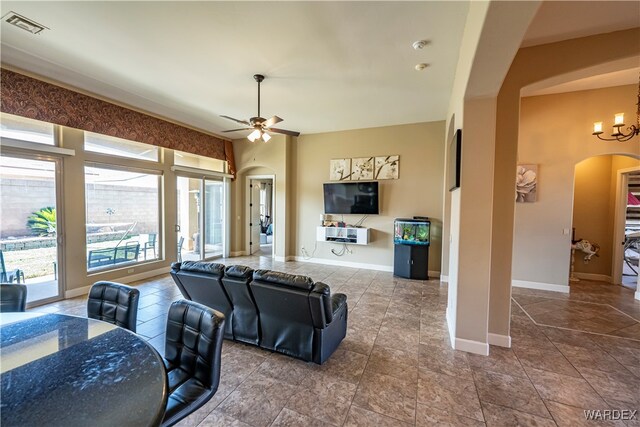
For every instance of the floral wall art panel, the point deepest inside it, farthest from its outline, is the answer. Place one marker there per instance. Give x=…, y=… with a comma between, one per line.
x=386, y=167
x=527, y=183
x=362, y=168
x=339, y=169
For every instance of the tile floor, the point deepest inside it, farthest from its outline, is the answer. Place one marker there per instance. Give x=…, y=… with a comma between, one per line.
x=396, y=367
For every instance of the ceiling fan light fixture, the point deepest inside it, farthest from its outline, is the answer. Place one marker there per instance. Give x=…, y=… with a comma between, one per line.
x=266, y=137
x=256, y=134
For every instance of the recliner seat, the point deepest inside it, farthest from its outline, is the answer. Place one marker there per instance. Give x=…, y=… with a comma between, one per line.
x=201, y=282
x=281, y=312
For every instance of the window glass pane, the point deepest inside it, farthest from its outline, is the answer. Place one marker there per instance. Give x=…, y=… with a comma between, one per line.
x=200, y=162
x=119, y=147
x=122, y=217
x=16, y=127
x=214, y=211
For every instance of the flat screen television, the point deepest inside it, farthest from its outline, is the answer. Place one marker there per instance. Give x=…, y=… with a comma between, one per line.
x=351, y=198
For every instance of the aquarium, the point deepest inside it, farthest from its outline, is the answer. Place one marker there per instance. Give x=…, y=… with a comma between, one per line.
x=411, y=231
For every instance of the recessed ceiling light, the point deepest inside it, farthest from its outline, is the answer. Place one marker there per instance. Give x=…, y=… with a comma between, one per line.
x=421, y=66
x=24, y=23
x=419, y=44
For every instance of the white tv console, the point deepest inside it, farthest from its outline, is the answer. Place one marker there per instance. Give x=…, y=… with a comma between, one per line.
x=348, y=235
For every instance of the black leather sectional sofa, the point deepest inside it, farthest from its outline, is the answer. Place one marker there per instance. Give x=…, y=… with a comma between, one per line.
x=281, y=312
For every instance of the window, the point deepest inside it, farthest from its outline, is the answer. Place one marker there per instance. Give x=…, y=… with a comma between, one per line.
x=119, y=147
x=123, y=216
x=199, y=162
x=21, y=128
x=263, y=200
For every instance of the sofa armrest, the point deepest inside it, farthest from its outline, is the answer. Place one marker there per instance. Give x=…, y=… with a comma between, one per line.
x=337, y=302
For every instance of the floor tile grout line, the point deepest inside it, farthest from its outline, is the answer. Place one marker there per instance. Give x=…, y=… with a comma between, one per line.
x=569, y=329
x=365, y=366
x=536, y=388
x=576, y=368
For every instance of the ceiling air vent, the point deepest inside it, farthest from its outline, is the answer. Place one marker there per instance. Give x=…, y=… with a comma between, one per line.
x=24, y=23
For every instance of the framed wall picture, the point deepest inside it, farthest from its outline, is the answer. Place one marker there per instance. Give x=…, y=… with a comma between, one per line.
x=339, y=169
x=454, y=160
x=387, y=167
x=362, y=168
x=527, y=183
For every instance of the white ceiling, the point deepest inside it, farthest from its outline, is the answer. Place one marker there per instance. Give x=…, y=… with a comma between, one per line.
x=616, y=78
x=329, y=65
x=563, y=20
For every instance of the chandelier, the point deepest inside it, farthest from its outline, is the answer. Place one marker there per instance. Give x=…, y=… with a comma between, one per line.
x=618, y=122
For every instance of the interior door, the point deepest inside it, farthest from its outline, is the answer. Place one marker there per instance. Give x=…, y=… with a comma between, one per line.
x=254, y=217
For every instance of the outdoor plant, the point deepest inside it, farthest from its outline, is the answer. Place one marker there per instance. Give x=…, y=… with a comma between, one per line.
x=43, y=222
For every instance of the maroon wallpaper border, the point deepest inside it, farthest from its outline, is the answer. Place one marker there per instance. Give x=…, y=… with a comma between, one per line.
x=35, y=99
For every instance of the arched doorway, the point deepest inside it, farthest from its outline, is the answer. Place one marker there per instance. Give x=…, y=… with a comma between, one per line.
x=601, y=215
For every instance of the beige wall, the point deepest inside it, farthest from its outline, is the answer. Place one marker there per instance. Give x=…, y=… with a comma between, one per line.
x=272, y=158
x=301, y=166
x=418, y=191
x=555, y=133
x=531, y=65
x=594, y=208
x=492, y=36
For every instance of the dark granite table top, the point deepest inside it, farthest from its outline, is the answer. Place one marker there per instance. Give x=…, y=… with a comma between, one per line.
x=59, y=370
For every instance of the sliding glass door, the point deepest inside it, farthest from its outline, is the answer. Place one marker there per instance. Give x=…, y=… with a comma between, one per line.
x=213, y=218
x=201, y=211
x=30, y=226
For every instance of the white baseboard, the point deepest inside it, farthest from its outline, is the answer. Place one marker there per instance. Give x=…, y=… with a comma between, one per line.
x=499, y=340
x=237, y=253
x=325, y=261
x=540, y=286
x=284, y=258
x=444, y=278
x=476, y=347
x=638, y=295
x=72, y=293
x=592, y=276
x=451, y=328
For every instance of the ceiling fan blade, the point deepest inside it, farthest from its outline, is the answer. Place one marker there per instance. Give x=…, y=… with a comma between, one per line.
x=236, y=130
x=244, y=122
x=284, y=131
x=272, y=121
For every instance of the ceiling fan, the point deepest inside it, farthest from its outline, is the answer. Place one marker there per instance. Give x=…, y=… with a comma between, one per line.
x=260, y=125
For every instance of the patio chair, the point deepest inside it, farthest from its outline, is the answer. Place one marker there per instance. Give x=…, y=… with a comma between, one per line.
x=180, y=243
x=150, y=244
x=9, y=276
x=127, y=253
x=100, y=257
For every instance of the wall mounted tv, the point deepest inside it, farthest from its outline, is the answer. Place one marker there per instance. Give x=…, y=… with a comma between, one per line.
x=351, y=198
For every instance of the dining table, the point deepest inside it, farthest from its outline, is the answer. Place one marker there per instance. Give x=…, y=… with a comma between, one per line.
x=62, y=370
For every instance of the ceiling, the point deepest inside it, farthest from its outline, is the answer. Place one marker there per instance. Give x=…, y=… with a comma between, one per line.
x=329, y=65
x=628, y=76
x=563, y=20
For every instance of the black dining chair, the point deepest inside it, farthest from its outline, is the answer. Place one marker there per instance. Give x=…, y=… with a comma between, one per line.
x=114, y=303
x=13, y=298
x=192, y=357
